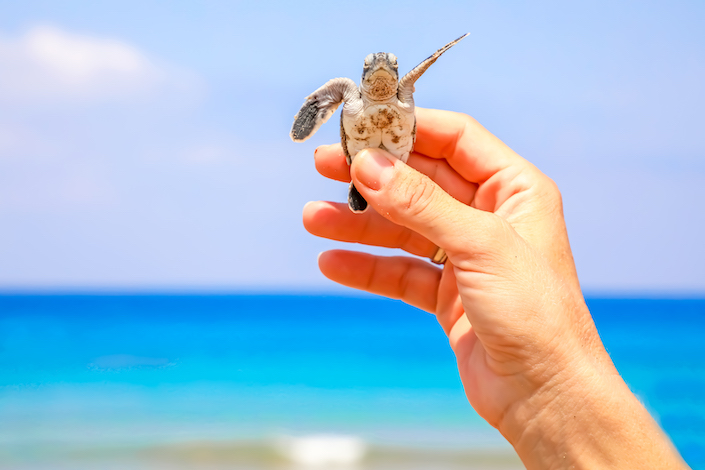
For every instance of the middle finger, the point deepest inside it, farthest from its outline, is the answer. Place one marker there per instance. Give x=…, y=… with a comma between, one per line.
x=335, y=221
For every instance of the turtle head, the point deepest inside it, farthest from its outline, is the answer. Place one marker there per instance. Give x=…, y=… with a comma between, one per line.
x=380, y=76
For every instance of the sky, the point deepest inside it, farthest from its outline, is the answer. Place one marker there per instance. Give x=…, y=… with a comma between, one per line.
x=144, y=145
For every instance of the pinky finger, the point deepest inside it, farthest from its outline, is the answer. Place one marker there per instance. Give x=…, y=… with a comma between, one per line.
x=411, y=280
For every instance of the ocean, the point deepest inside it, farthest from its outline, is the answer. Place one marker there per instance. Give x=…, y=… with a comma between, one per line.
x=289, y=382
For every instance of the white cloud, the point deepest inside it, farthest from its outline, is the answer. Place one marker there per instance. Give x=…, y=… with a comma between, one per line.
x=48, y=65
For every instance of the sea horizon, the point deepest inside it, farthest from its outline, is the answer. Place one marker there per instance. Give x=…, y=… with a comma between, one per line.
x=333, y=290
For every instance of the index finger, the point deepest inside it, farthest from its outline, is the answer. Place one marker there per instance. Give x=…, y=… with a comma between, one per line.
x=469, y=148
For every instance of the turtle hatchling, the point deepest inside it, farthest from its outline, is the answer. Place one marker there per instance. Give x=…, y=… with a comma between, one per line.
x=379, y=113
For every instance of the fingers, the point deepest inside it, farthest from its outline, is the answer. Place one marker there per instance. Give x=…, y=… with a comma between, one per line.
x=330, y=162
x=408, y=279
x=445, y=177
x=336, y=222
x=411, y=199
x=512, y=187
x=469, y=148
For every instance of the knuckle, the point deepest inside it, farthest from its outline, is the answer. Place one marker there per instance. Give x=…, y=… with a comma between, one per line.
x=551, y=187
x=548, y=194
x=468, y=121
x=419, y=196
x=552, y=194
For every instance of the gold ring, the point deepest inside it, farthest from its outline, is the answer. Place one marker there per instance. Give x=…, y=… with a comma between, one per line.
x=440, y=256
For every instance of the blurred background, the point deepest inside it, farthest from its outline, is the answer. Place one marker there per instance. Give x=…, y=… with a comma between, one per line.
x=160, y=296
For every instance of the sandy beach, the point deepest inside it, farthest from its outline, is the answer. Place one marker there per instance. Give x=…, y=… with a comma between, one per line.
x=261, y=455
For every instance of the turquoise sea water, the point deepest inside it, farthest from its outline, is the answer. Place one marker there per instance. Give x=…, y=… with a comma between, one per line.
x=221, y=381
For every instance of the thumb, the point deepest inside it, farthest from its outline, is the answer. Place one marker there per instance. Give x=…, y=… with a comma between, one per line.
x=410, y=198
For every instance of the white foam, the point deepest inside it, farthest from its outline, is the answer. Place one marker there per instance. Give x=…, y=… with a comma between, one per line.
x=322, y=450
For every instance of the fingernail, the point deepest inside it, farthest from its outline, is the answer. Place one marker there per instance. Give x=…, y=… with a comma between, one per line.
x=374, y=169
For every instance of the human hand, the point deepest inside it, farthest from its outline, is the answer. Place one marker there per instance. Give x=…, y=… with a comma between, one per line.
x=508, y=297
x=500, y=221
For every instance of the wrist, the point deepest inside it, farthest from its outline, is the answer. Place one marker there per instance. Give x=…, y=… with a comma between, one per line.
x=586, y=417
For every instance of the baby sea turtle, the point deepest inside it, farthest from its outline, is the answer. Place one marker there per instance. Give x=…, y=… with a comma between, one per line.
x=378, y=113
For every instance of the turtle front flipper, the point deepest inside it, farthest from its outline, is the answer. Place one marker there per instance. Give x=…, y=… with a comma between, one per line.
x=406, y=84
x=320, y=106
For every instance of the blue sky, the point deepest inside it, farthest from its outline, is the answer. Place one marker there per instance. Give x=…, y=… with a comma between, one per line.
x=144, y=145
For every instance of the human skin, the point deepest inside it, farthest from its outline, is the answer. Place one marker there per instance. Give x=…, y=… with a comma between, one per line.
x=528, y=353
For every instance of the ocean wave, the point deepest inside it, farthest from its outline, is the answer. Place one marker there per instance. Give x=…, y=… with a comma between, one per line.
x=322, y=449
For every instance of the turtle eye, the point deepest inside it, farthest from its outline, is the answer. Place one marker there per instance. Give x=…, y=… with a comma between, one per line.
x=392, y=59
x=369, y=59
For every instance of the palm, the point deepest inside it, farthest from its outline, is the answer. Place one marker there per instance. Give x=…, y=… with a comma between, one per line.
x=484, y=378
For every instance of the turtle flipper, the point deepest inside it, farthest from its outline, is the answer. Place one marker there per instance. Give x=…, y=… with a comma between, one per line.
x=356, y=202
x=406, y=84
x=320, y=106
